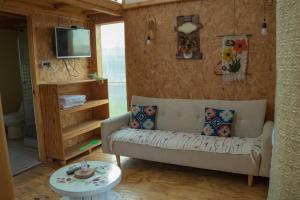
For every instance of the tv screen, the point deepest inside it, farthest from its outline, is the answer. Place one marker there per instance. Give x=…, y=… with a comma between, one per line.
x=72, y=43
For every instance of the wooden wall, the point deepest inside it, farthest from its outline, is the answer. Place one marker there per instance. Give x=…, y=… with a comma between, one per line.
x=44, y=38
x=41, y=40
x=154, y=71
x=7, y=190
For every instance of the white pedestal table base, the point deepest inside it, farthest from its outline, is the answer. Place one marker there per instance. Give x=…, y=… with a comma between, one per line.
x=111, y=195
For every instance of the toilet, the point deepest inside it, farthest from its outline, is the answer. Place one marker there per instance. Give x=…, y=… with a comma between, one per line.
x=14, y=123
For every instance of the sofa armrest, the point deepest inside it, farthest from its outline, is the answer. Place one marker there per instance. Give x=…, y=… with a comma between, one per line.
x=111, y=125
x=266, y=153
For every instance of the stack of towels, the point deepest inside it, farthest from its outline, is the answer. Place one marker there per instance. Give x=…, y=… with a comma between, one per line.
x=69, y=101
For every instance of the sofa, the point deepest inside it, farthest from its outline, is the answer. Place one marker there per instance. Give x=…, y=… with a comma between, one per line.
x=187, y=116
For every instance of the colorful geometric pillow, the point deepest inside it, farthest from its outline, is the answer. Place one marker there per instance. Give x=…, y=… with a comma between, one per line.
x=143, y=117
x=218, y=122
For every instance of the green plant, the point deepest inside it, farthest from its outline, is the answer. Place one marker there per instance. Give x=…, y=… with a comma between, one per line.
x=96, y=77
x=235, y=66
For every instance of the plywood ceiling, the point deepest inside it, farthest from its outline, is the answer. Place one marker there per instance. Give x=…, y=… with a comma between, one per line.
x=79, y=9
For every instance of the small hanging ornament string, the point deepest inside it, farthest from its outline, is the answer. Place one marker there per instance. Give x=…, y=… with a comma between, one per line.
x=234, y=18
x=264, y=10
x=179, y=7
x=235, y=24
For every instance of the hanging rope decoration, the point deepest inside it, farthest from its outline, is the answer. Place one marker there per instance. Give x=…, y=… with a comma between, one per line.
x=151, y=29
x=233, y=65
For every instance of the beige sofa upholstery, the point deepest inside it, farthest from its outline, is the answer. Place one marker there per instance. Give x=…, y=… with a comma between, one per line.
x=188, y=116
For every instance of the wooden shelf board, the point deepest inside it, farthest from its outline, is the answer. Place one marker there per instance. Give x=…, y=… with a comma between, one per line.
x=74, y=151
x=68, y=82
x=87, y=105
x=78, y=129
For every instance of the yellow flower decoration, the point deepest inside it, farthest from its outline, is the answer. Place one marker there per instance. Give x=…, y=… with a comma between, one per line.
x=228, y=55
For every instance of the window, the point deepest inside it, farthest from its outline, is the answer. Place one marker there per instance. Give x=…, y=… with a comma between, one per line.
x=113, y=66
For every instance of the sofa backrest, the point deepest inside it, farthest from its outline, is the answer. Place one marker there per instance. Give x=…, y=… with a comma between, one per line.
x=188, y=115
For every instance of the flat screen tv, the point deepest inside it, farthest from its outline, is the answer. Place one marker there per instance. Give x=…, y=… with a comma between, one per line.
x=72, y=42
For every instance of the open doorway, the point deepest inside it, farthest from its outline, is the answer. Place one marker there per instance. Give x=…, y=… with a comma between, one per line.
x=113, y=66
x=16, y=92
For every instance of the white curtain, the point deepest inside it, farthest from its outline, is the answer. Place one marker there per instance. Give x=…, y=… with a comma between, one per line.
x=285, y=171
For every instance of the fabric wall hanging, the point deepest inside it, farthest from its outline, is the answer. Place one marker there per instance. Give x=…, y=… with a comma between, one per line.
x=234, y=57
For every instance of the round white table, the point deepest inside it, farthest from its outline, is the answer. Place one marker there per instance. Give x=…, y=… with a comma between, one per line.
x=99, y=187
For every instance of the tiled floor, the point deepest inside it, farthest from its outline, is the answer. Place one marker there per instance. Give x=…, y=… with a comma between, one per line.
x=21, y=157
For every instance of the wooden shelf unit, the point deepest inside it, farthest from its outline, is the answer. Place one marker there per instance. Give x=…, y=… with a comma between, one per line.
x=74, y=151
x=81, y=128
x=87, y=105
x=66, y=130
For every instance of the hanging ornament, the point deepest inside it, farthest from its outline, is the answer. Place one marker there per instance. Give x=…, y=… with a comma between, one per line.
x=264, y=27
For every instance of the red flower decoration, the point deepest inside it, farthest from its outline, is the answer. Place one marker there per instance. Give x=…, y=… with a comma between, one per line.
x=210, y=113
x=150, y=110
x=240, y=46
x=135, y=124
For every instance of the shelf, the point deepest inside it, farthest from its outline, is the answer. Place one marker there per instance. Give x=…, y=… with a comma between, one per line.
x=75, y=150
x=56, y=121
x=69, y=82
x=78, y=129
x=85, y=106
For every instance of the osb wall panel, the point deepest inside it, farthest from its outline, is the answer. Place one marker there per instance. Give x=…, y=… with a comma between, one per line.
x=44, y=27
x=154, y=71
x=44, y=38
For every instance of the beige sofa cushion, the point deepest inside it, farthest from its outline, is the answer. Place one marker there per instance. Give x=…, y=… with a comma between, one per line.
x=188, y=115
x=187, y=141
x=242, y=164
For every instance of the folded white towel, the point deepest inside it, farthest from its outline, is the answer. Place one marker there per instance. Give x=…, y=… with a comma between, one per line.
x=71, y=98
x=69, y=101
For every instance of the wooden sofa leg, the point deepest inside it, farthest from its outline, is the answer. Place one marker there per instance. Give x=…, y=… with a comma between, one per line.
x=250, y=180
x=118, y=160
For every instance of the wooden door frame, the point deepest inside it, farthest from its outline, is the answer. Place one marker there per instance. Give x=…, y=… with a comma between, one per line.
x=97, y=48
x=35, y=86
x=96, y=59
x=34, y=79
x=7, y=189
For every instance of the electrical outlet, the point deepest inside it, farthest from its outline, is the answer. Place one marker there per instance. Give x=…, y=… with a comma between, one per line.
x=45, y=64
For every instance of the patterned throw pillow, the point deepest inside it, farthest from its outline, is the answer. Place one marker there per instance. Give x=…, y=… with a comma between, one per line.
x=143, y=117
x=218, y=122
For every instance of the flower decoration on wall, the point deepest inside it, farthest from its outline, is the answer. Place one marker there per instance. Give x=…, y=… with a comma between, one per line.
x=228, y=55
x=234, y=57
x=240, y=46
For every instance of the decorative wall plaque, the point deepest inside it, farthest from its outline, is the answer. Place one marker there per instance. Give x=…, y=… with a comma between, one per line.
x=188, y=37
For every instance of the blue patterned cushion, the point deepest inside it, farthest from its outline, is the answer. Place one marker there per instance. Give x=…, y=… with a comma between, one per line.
x=218, y=122
x=143, y=117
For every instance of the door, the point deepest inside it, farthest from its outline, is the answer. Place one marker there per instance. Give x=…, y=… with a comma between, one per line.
x=24, y=65
x=6, y=180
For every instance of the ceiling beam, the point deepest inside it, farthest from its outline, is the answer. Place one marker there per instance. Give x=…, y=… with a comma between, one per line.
x=27, y=7
x=148, y=3
x=104, y=18
x=76, y=9
x=100, y=6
